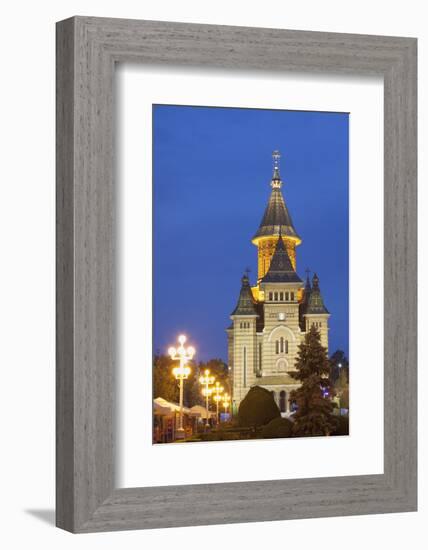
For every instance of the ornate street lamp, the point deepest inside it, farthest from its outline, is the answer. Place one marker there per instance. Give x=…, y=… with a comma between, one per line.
x=226, y=402
x=217, y=397
x=206, y=380
x=181, y=373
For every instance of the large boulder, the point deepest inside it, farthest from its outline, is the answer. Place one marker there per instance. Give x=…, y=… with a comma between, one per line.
x=257, y=408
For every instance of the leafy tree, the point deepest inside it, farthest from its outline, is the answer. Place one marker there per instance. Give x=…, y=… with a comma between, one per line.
x=257, y=408
x=164, y=383
x=192, y=388
x=338, y=358
x=342, y=390
x=313, y=398
x=344, y=399
x=219, y=370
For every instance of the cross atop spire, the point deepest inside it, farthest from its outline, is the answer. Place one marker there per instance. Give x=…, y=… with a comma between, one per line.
x=276, y=182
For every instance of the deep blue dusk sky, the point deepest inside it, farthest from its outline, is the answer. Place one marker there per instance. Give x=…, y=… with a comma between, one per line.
x=211, y=175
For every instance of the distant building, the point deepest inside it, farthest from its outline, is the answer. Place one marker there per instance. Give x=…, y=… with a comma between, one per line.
x=271, y=318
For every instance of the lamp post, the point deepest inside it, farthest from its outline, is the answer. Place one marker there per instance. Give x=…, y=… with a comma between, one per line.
x=181, y=373
x=206, y=380
x=339, y=366
x=226, y=402
x=217, y=397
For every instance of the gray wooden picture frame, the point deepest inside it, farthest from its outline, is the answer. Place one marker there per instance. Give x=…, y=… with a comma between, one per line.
x=87, y=51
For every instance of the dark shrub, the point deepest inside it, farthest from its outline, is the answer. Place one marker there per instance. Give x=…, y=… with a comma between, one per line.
x=220, y=436
x=342, y=426
x=278, y=427
x=257, y=408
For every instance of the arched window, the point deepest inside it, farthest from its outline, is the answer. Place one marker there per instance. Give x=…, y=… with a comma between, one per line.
x=277, y=347
x=282, y=401
x=286, y=346
x=282, y=344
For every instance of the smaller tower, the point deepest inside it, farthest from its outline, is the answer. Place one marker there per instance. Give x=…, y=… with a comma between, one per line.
x=315, y=312
x=243, y=341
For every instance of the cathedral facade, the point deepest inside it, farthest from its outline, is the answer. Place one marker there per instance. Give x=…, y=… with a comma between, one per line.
x=271, y=318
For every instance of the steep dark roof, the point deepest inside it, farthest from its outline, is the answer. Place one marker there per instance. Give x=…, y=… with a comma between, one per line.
x=315, y=303
x=246, y=304
x=276, y=218
x=281, y=269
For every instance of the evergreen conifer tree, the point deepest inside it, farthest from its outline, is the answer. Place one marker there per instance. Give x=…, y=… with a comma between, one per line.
x=313, y=398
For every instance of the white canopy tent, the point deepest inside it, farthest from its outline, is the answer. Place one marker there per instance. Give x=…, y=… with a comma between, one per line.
x=163, y=407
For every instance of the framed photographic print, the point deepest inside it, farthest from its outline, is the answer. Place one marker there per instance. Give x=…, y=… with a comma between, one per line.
x=271, y=320
x=236, y=282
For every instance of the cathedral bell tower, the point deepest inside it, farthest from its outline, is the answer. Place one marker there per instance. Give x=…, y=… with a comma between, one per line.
x=272, y=318
x=276, y=221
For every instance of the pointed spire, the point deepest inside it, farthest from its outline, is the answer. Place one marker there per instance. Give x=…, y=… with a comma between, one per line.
x=315, y=303
x=276, y=182
x=315, y=282
x=308, y=282
x=307, y=292
x=246, y=304
x=281, y=269
x=276, y=217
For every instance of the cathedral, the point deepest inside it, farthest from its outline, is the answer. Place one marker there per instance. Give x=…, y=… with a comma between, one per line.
x=271, y=319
